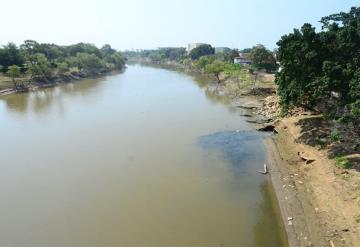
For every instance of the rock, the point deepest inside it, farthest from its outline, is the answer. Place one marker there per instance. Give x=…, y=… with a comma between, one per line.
x=248, y=107
x=268, y=128
x=305, y=157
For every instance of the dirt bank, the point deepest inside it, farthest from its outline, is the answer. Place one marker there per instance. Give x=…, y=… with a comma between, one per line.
x=319, y=202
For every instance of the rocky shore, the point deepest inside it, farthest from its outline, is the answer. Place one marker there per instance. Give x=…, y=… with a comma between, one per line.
x=319, y=202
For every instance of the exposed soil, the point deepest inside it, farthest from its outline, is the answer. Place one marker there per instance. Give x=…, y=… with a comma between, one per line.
x=322, y=200
x=319, y=202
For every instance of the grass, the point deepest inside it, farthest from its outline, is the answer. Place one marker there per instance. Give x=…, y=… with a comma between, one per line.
x=343, y=162
x=335, y=136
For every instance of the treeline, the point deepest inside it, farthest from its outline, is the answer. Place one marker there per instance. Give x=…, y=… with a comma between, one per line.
x=43, y=61
x=204, y=55
x=321, y=70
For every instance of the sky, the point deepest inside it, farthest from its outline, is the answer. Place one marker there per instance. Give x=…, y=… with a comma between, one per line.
x=147, y=24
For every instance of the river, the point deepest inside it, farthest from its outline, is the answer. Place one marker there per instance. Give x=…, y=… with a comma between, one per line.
x=146, y=158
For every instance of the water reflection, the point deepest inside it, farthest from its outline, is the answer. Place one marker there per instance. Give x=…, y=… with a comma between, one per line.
x=42, y=100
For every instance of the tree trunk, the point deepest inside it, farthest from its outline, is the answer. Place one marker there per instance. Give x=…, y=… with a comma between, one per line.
x=218, y=78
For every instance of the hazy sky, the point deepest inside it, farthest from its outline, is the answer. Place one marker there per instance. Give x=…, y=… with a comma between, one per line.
x=127, y=24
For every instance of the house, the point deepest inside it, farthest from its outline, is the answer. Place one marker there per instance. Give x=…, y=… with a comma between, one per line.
x=242, y=59
x=192, y=46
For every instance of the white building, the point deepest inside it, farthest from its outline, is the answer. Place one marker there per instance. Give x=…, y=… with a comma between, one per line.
x=242, y=59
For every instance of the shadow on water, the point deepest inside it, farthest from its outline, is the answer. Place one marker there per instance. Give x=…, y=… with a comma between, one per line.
x=240, y=148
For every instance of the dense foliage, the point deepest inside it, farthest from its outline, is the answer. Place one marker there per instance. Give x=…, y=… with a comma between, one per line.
x=161, y=54
x=47, y=60
x=262, y=58
x=323, y=68
x=202, y=50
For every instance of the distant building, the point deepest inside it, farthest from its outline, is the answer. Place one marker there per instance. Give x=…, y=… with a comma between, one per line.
x=242, y=59
x=192, y=46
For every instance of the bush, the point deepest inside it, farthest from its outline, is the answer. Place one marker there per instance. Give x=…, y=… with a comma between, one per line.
x=343, y=162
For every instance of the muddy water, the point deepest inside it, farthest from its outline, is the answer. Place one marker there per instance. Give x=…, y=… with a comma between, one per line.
x=143, y=158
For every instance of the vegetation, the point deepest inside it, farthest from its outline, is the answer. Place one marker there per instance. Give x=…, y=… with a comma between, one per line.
x=43, y=62
x=14, y=72
x=262, y=58
x=161, y=54
x=323, y=68
x=202, y=50
x=343, y=162
x=215, y=68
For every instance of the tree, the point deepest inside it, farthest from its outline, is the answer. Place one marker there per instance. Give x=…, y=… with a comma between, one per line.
x=90, y=63
x=39, y=66
x=202, y=50
x=106, y=50
x=14, y=72
x=62, y=67
x=215, y=68
x=10, y=55
x=322, y=67
x=117, y=59
x=262, y=58
x=203, y=61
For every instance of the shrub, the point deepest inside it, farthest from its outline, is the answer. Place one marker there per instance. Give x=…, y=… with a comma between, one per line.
x=343, y=162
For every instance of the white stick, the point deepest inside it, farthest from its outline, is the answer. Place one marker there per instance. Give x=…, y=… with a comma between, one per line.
x=265, y=170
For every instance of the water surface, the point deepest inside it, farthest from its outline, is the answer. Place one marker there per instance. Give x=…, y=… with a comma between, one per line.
x=147, y=158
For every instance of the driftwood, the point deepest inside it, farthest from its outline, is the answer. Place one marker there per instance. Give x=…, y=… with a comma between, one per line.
x=247, y=107
x=265, y=171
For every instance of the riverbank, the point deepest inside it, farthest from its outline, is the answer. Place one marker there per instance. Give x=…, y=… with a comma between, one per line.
x=319, y=202
x=38, y=83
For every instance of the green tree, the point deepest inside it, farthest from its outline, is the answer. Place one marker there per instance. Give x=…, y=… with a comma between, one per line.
x=215, y=68
x=62, y=67
x=10, y=55
x=39, y=66
x=324, y=67
x=14, y=72
x=203, y=61
x=90, y=63
x=117, y=59
x=262, y=58
x=202, y=50
x=106, y=50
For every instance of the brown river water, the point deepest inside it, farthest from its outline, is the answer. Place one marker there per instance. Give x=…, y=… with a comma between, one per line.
x=146, y=158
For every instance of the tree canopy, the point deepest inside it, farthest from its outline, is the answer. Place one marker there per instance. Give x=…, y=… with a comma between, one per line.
x=202, y=50
x=262, y=58
x=45, y=60
x=323, y=67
